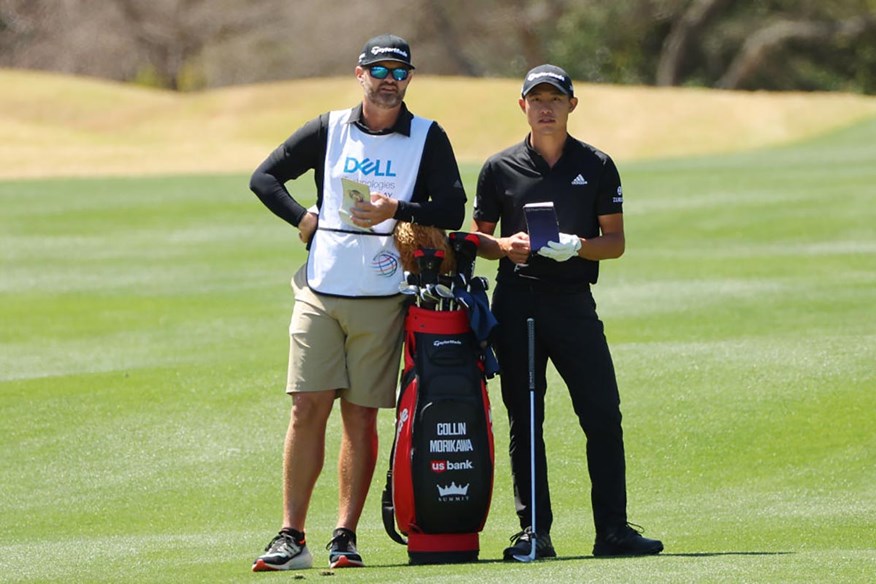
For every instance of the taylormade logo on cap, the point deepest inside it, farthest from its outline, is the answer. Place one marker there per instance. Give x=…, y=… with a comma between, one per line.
x=381, y=50
x=533, y=76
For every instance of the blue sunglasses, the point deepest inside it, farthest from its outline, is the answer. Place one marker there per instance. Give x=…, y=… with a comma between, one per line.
x=380, y=72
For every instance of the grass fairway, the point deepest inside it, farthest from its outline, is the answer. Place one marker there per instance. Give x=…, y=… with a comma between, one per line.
x=143, y=347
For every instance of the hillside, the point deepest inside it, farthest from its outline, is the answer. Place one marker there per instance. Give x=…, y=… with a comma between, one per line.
x=52, y=125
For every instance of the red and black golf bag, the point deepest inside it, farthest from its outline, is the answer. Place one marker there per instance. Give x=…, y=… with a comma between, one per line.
x=440, y=480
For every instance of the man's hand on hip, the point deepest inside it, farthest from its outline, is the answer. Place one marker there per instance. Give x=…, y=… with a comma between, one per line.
x=307, y=226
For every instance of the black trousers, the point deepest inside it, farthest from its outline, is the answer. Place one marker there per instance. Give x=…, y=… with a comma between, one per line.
x=570, y=334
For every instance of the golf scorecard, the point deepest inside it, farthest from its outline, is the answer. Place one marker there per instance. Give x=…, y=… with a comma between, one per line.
x=541, y=223
x=354, y=192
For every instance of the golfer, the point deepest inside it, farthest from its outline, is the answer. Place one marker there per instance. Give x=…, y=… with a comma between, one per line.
x=552, y=286
x=346, y=328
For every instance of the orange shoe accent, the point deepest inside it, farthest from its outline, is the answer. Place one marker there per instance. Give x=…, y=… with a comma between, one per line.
x=261, y=566
x=345, y=562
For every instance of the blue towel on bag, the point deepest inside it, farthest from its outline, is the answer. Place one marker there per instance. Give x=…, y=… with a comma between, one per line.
x=482, y=324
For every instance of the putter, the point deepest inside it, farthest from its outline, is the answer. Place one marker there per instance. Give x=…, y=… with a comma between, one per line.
x=530, y=337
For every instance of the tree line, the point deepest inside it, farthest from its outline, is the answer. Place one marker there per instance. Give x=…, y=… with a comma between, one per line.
x=808, y=45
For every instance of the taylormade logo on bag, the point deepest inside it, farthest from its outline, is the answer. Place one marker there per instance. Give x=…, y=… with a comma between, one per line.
x=447, y=342
x=402, y=419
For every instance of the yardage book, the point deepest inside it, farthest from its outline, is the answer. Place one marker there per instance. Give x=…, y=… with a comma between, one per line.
x=354, y=192
x=541, y=223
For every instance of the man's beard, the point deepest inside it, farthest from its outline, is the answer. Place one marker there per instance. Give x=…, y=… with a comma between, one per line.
x=386, y=100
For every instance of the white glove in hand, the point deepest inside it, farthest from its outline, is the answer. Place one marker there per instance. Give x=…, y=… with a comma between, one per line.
x=567, y=247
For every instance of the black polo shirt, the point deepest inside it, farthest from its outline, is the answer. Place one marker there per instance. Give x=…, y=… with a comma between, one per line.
x=583, y=184
x=438, y=198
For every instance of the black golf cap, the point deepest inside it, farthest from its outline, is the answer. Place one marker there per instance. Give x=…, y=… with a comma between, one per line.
x=386, y=47
x=548, y=74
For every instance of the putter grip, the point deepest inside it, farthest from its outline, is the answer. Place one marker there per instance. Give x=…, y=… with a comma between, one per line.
x=530, y=338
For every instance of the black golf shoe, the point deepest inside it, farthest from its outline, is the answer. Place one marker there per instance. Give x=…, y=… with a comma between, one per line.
x=342, y=550
x=625, y=541
x=522, y=546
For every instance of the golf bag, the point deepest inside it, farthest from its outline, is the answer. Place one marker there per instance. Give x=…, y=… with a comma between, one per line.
x=440, y=481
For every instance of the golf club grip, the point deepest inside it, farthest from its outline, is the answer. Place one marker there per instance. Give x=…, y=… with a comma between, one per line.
x=530, y=338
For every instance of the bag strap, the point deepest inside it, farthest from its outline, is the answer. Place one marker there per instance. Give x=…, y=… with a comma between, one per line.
x=386, y=504
x=388, y=509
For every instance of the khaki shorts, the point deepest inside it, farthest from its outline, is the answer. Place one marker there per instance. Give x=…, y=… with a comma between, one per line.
x=352, y=345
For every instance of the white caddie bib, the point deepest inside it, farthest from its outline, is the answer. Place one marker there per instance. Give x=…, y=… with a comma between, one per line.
x=343, y=260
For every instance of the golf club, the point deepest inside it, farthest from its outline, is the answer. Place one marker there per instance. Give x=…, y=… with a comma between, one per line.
x=444, y=288
x=408, y=289
x=427, y=299
x=530, y=337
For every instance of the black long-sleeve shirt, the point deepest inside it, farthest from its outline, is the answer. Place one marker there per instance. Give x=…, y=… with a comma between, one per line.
x=438, y=198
